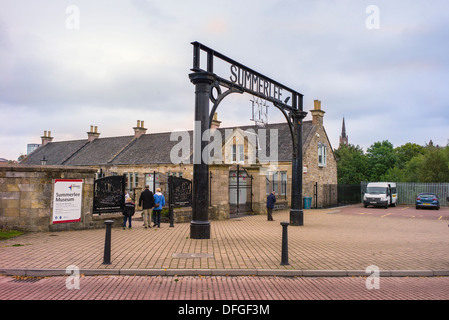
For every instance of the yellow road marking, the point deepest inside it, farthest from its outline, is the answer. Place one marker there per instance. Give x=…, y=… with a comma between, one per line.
x=440, y=217
x=385, y=215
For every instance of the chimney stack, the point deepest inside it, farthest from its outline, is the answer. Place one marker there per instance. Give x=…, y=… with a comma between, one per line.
x=93, y=133
x=317, y=113
x=46, y=138
x=139, y=130
x=215, y=123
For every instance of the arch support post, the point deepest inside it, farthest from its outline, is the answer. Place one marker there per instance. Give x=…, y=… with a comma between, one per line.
x=200, y=224
x=296, y=211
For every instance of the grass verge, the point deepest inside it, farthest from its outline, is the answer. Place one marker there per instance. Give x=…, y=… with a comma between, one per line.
x=7, y=234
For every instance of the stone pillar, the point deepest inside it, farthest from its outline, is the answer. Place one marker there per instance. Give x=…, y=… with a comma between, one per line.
x=219, y=190
x=137, y=191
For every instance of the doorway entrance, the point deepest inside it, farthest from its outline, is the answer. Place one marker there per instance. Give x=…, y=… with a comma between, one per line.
x=240, y=191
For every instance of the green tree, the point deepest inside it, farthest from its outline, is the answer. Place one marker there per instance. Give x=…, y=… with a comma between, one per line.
x=351, y=164
x=428, y=164
x=407, y=163
x=406, y=152
x=408, y=159
x=380, y=158
x=434, y=166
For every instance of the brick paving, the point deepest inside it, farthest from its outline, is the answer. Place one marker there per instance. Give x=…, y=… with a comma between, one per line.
x=327, y=241
x=329, y=244
x=224, y=288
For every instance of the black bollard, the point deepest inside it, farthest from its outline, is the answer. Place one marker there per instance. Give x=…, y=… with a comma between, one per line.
x=284, y=261
x=107, y=242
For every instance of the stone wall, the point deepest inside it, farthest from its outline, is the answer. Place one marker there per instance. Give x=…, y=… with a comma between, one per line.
x=26, y=198
x=315, y=174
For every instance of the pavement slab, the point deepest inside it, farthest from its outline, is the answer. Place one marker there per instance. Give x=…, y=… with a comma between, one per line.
x=328, y=244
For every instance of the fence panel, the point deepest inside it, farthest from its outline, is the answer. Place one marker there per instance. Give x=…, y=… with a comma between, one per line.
x=340, y=195
x=408, y=191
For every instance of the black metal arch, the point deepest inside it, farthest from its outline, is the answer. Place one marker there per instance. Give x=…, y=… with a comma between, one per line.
x=220, y=97
x=206, y=81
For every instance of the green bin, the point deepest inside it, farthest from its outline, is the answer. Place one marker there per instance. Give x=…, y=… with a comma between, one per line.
x=307, y=202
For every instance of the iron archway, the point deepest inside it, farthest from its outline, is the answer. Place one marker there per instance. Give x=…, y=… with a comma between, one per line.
x=242, y=80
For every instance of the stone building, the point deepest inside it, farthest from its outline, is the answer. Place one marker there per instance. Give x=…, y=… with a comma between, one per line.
x=239, y=178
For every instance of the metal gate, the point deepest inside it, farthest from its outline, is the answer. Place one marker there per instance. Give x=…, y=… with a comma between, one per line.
x=179, y=191
x=109, y=194
x=335, y=195
x=179, y=195
x=240, y=191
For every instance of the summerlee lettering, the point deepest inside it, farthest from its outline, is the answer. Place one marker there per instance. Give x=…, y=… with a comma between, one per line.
x=255, y=84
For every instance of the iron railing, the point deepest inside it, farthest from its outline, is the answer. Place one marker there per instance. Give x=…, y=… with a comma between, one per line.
x=408, y=191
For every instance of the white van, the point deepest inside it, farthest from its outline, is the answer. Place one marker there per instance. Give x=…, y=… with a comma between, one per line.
x=380, y=194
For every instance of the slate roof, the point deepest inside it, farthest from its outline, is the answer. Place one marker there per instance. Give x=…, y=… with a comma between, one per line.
x=54, y=152
x=99, y=151
x=151, y=148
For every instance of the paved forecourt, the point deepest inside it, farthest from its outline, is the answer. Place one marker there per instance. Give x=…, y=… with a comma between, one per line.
x=329, y=244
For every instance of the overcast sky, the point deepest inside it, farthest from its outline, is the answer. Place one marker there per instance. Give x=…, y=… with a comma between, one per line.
x=67, y=65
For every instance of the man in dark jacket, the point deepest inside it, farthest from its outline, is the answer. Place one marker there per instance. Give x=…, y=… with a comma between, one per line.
x=271, y=199
x=146, y=201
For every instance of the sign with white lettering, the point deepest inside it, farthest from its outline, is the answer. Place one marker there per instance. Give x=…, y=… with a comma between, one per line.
x=67, y=200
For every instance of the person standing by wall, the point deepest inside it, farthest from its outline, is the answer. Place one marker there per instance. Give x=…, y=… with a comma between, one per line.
x=146, y=201
x=159, y=201
x=271, y=199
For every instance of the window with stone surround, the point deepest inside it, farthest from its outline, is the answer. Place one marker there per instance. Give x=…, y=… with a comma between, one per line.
x=322, y=154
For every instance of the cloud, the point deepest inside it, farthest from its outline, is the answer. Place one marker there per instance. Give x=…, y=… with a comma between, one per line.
x=130, y=60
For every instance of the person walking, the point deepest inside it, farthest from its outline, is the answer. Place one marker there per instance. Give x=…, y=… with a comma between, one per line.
x=159, y=202
x=128, y=212
x=146, y=201
x=271, y=199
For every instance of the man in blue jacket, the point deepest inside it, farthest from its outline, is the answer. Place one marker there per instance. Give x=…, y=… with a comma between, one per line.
x=271, y=199
x=159, y=202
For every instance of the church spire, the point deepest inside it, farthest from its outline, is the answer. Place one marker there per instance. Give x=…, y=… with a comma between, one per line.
x=343, y=137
